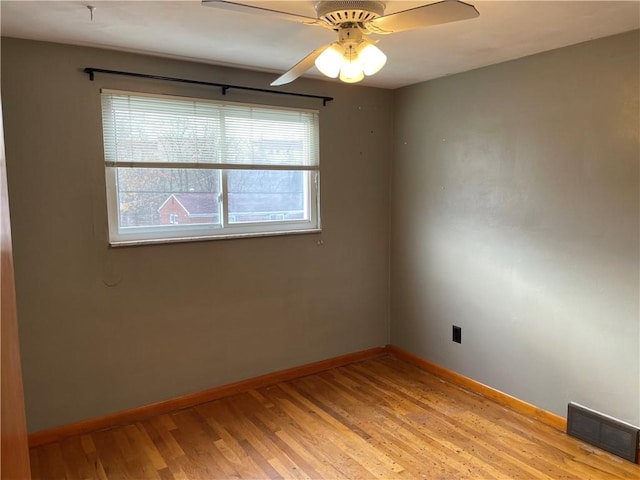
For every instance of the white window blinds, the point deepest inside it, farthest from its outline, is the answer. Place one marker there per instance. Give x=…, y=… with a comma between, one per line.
x=145, y=131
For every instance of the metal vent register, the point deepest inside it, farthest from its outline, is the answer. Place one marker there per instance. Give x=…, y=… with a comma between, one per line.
x=605, y=432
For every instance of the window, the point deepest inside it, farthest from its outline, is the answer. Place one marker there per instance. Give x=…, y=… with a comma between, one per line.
x=180, y=168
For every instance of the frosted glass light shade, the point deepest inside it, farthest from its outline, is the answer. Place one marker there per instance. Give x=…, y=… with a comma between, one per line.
x=351, y=72
x=371, y=58
x=330, y=61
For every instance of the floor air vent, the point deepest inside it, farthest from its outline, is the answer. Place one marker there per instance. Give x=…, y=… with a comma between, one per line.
x=604, y=432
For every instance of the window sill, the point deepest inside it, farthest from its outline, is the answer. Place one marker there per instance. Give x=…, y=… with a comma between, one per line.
x=157, y=241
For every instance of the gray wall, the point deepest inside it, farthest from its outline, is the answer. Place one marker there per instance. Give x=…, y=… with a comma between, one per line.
x=107, y=329
x=515, y=216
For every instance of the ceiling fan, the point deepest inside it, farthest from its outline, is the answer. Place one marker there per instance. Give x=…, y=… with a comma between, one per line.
x=354, y=54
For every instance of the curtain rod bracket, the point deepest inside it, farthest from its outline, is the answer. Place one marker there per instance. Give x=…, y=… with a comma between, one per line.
x=92, y=71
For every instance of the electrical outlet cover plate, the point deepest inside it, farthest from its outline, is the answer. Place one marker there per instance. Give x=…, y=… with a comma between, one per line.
x=457, y=334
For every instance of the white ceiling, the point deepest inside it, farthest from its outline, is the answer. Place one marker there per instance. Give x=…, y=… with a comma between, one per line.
x=186, y=29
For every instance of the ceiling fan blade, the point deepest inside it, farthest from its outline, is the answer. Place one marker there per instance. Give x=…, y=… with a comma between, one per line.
x=427, y=15
x=245, y=7
x=299, y=68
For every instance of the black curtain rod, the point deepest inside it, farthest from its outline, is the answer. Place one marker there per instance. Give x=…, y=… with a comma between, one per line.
x=92, y=71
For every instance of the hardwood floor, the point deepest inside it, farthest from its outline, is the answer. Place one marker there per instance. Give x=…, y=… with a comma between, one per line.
x=381, y=418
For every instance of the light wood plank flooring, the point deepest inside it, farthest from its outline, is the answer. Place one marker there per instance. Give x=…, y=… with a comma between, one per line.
x=381, y=418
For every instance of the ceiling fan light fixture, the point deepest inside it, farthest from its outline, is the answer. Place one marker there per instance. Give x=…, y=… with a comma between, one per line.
x=330, y=61
x=350, y=61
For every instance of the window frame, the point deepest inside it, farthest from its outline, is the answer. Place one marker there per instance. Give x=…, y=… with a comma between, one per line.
x=182, y=232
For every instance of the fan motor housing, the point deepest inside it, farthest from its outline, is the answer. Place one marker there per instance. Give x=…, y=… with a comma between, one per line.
x=337, y=13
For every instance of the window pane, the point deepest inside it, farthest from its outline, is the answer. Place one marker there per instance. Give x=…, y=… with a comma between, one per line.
x=144, y=129
x=149, y=197
x=266, y=196
x=269, y=140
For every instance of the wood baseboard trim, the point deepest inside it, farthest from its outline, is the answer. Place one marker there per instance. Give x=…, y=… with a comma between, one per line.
x=520, y=406
x=132, y=415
